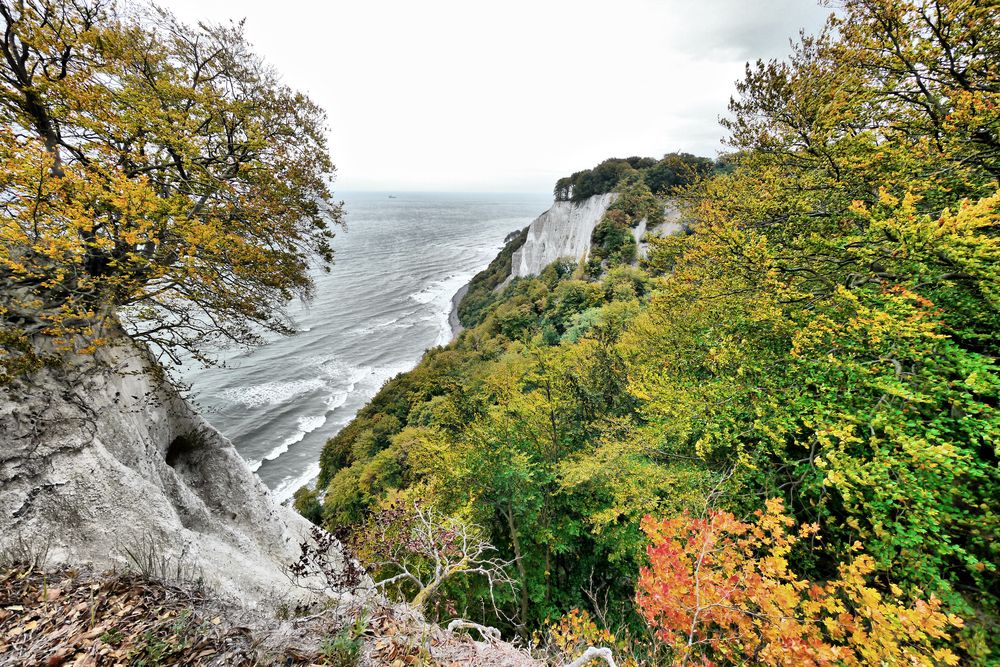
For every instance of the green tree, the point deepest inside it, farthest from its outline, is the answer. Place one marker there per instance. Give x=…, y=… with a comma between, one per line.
x=676, y=170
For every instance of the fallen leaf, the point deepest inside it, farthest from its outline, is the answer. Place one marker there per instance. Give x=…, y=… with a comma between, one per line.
x=57, y=658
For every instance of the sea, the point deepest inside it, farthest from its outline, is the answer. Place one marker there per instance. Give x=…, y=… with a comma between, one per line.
x=386, y=300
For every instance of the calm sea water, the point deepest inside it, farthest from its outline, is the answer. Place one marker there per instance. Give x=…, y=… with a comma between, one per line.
x=386, y=301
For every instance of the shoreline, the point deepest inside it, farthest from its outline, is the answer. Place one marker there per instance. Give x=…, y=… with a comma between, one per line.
x=456, y=326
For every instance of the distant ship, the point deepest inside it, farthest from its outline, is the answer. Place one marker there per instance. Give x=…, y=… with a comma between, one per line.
x=392, y=196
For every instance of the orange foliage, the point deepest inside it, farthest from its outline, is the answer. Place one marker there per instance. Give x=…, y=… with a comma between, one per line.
x=719, y=590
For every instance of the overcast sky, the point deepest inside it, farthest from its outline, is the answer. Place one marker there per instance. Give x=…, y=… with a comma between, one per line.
x=509, y=96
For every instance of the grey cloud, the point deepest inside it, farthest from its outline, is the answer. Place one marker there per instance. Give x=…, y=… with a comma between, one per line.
x=741, y=29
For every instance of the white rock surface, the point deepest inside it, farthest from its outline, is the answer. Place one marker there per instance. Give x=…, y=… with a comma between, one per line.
x=102, y=456
x=672, y=224
x=562, y=231
x=565, y=229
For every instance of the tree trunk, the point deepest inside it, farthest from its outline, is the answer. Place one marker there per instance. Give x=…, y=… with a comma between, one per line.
x=519, y=562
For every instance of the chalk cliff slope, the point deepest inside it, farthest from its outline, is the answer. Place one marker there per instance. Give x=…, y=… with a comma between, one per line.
x=673, y=223
x=103, y=462
x=562, y=231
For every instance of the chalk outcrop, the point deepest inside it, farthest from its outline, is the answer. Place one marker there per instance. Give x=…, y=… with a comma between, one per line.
x=103, y=462
x=562, y=231
x=565, y=230
x=672, y=224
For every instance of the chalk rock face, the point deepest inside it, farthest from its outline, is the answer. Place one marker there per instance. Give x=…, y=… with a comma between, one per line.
x=102, y=462
x=673, y=223
x=562, y=231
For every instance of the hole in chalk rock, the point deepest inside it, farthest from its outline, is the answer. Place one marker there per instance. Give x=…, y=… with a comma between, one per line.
x=180, y=447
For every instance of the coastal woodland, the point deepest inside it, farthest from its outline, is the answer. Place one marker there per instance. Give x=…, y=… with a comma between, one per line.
x=770, y=439
x=773, y=439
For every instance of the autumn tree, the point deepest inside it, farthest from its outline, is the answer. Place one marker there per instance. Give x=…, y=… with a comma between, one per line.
x=718, y=590
x=829, y=328
x=827, y=334
x=416, y=551
x=151, y=173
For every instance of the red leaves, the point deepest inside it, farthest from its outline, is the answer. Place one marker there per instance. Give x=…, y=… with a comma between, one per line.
x=722, y=589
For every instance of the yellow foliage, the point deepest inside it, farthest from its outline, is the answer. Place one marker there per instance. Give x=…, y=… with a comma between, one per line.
x=162, y=175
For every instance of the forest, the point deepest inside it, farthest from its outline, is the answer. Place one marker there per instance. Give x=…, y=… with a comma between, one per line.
x=774, y=439
x=660, y=176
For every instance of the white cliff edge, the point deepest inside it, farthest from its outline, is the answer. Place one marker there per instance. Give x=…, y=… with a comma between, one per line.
x=102, y=462
x=672, y=224
x=565, y=230
x=562, y=231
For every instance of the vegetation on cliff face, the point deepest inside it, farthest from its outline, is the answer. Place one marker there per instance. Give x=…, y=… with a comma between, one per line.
x=613, y=242
x=150, y=169
x=779, y=435
x=482, y=288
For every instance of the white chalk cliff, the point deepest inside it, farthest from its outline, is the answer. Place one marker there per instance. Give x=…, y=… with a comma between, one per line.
x=565, y=230
x=672, y=224
x=101, y=458
x=562, y=231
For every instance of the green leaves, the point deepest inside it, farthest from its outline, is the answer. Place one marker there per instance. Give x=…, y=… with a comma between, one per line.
x=827, y=335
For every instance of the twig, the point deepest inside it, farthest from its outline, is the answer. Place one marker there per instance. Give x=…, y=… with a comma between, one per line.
x=489, y=633
x=594, y=653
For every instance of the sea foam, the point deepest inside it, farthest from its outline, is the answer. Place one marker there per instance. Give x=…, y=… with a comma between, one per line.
x=438, y=296
x=306, y=426
x=287, y=487
x=333, y=371
x=271, y=393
